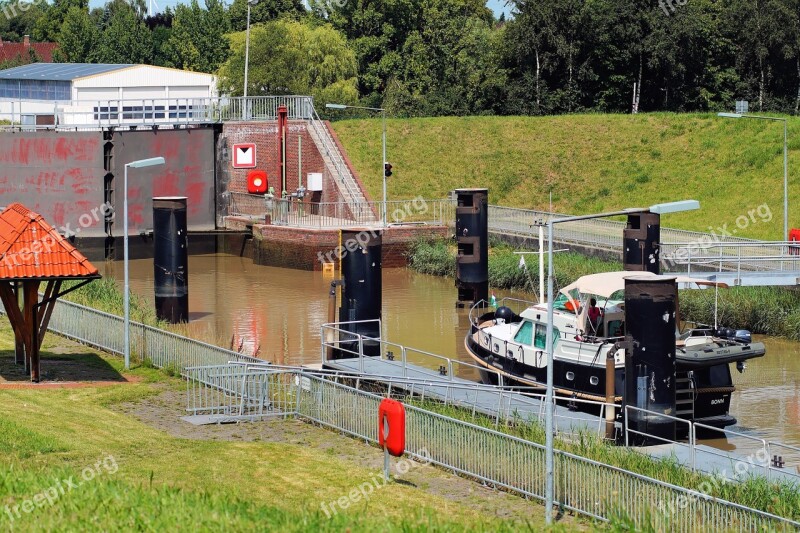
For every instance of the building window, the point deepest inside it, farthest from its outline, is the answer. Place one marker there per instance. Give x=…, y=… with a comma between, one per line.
x=106, y=113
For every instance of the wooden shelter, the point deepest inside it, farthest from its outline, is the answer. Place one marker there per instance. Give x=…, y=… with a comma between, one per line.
x=32, y=253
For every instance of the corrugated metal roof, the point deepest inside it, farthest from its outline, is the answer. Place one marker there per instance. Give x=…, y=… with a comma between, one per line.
x=58, y=71
x=31, y=248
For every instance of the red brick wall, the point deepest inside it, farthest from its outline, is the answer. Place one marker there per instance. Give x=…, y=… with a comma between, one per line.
x=265, y=137
x=298, y=248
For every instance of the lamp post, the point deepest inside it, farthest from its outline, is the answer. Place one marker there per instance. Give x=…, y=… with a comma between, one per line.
x=785, y=164
x=141, y=163
x=672, y=207
x=247, y=55
x=383, y=143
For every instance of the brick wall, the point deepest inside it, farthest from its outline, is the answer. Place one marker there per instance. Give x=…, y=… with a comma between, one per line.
x=301, y=249
x=265, y=137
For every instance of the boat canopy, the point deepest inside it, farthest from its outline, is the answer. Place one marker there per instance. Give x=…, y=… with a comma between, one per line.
x=605, y=284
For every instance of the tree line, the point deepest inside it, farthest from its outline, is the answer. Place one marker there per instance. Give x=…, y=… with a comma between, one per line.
x=454, y=57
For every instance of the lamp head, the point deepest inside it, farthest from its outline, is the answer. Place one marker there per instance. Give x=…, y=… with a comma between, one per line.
x=146, y=162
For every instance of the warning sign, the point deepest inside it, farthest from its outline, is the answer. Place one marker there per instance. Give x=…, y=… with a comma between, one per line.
x=244, y=155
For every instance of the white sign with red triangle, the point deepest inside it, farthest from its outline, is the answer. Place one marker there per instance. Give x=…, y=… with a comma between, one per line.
x=244, y=155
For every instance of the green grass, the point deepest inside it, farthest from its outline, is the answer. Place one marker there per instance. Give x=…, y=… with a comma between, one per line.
x=591, y=163
x=104, y=295
x=166, y=483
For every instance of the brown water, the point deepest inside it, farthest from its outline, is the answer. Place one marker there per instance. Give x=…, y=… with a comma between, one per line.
x=277, y=313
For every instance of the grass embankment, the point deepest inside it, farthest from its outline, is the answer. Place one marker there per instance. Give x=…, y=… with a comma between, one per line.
x=763, y=310
x=777, y=497
x=591, y=163
x=131, y=476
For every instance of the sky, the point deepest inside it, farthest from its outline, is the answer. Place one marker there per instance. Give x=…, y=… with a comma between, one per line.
x=498, y=6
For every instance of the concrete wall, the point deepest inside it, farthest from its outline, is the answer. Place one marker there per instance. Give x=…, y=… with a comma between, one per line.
x=189, y=171
x=58, y=175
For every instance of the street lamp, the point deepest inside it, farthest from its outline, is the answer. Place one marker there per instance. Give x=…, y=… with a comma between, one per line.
x=141, y=163
x=383, y=142
x=671, y=207
x=247, y=54
x=785, y=165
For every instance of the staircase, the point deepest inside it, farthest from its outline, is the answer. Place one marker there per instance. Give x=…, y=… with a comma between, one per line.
x=684, y=395
x=349, y=189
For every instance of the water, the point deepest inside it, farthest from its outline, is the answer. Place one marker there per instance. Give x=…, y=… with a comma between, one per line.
x=277, y=313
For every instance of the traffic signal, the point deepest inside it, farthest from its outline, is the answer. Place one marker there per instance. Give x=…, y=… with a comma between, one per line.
x=387, y=169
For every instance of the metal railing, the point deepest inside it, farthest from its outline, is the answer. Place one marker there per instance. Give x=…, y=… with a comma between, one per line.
x=148, y=343
x=145, y=112
x=585, y=486
x=333, y=215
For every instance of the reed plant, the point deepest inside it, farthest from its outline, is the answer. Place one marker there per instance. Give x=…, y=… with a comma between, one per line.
x=763, y=310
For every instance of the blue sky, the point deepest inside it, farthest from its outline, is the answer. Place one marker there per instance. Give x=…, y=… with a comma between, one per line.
x=495, y=5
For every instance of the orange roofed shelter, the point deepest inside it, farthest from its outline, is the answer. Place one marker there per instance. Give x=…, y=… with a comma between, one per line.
x=32, y=253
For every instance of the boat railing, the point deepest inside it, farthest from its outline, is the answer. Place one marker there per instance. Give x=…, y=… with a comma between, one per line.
x=651, y=416
x=437, y=365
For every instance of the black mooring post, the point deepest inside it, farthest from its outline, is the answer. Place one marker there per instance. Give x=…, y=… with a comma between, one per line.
x=472, y=237
x=640, y=243
x=171, y=259
x=650, y=310
x=362, y=293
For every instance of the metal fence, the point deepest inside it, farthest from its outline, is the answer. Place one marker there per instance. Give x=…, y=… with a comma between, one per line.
x=146, y=112
x=253, y=389
x=334, y=215
x=161, y=348
x=582, y=485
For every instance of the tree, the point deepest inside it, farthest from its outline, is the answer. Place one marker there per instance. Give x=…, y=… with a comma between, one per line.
x=263, y=11
x=198, y=41
x=78, y=37
x=125, y=38
x=48, y=25
x=450, y=66
x=288, y=57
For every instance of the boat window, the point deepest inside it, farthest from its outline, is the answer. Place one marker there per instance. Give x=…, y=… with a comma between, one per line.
x=524, y=334
x=540, y=339
x=616, y=328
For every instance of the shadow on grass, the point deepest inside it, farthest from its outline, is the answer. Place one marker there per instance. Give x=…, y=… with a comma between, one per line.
x=79, y=366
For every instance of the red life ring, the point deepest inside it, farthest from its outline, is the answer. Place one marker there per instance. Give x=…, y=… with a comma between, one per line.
x=392, y=426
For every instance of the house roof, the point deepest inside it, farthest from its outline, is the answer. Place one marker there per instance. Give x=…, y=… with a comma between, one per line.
x=10, y=51
x=31, y=249
x=58, y=71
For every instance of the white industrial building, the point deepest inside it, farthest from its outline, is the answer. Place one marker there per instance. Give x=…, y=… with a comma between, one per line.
x=86, y=94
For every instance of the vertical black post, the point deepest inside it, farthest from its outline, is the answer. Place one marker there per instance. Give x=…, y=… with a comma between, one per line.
x=640, y=243
x=650, y=308
x=362, y=292
x=472, y=236
x=171, y=259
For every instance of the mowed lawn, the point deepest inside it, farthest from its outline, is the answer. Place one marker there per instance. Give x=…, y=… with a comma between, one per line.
x=140, y=478
x=592, y=163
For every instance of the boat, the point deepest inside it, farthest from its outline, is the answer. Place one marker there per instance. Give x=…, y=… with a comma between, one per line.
x=514, y=347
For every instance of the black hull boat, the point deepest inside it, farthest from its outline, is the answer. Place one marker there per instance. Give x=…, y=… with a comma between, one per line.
x=513, y=346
